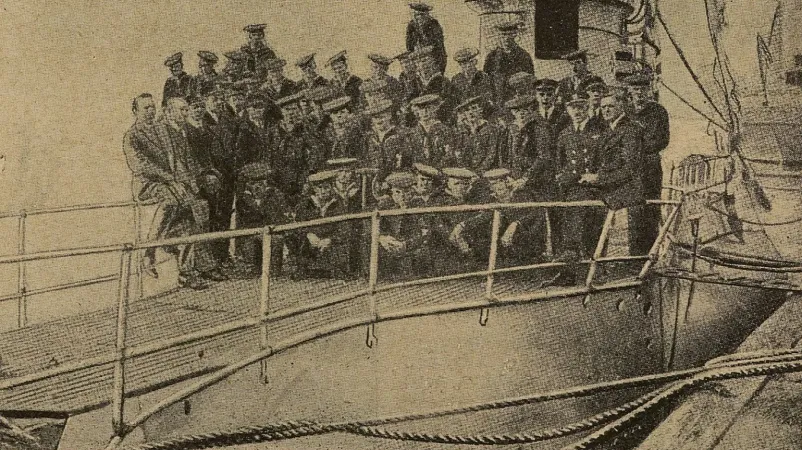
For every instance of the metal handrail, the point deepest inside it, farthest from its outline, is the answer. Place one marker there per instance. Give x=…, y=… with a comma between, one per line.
x=73, y=208
x=124, y=353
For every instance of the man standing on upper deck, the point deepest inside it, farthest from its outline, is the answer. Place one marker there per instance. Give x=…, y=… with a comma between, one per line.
x=574, y=83
x=507, y=59
x=180, y=83
x=653, y=117
x=257, y=47
x=425, y=31
x=207, y=78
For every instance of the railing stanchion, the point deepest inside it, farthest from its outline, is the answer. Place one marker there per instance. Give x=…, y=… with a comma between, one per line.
x=549, y=235
x=373, y=275
x=22, y=306
x=597, y=254
x=264, y=296
x=653, y=252
x=118, y=396
x=491, y=265
x=140, y=283
x=364, y=190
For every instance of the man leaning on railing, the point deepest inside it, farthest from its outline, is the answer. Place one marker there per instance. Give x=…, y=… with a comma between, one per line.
x=163, y=169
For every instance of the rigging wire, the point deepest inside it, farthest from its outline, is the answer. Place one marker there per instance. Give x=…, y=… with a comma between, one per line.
x=694, y=108
x=687, y=65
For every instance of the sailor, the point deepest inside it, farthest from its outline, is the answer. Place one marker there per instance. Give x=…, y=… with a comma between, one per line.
x=207, y=78
x=529, y=150
x=552, y=112
x=317, y=120
x=571, y=84
x=455, y=242
x=425, y=31
x=346, y=185
x=470, y=81
x=479, y=142
x=434, y=141
x=180, y=83
x=391, y=87
x=257, y=47
x=343, y=136
x=253, y=134
x=236, y=68
x=164, y=169
x=427, y=189
x=200, y=141
x=409, y=79
x=653, y=117
x=311, y=78
x=520, y=84
x=322, y=251
x=576, y=154
x=276, y=86
x=388, y=147
x=373, y=91
x=595, y=89
x=344, y=80
x=618, y=177
x=521, y=233
x=236, y=96
x=297, y=150
x=506, y=60
x=404, y=239
x=259, y=203
x=434, y=82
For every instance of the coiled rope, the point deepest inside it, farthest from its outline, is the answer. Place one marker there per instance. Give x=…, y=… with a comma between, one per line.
x=723, y=368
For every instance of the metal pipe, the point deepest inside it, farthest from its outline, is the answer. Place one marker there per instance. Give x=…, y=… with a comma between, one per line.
x=322, y=221
x=264, y=295
x=608, y=222
x=60, y=287
x=491, y=264
x=62, y=209
x=653, y=252
x=53, y=254
x=197, y=238
x=297, y=310
x=140, y=283
x=21, y=287
x=118, y=394
x=373, y=274
x=549, y=252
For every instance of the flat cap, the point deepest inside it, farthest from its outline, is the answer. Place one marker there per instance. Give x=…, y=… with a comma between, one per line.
x=401, y=180
x=289, y=100
x=522, y=101
x=546, y=84
x=175, y=58
x=305, y=60
x=322, y=176
x=522, y=79
x=495, y=174
x=468, y=103
x=466, y=54
x=255, y=171
x=274, y=63
x=425, y=100
x=579, y=98
x=336, y=104
x=579, y=54
x=421, y=7
x=403, y=56
x=459, y=172
x=339, y=56
x=342, y=163
x=637, y=79
x=208, y=56
x=235, y=55
x=425, y=170
x=508, y=27
x=381, y=106
x=594, y=83
x=380, y=59
x=255, y=28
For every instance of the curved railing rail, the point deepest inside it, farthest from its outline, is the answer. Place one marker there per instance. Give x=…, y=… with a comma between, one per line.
x=265, y=317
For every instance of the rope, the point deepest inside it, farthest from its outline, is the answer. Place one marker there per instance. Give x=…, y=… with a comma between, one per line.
x=731, y=265
x=729, y=367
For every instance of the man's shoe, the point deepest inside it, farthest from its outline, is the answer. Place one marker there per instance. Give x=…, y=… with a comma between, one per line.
x=192, y=282
x=214, y=275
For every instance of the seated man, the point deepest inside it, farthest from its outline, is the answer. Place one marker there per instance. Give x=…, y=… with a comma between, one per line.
x=427, y=188
x=404, y=239
x=456, y=253
x=259, y=203
x=346, y=184
x=322, y=251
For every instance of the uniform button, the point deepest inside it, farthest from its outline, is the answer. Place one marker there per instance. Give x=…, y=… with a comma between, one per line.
x=573, y=161
x=573, y=172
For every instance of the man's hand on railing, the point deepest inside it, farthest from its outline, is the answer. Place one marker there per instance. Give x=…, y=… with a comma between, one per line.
x=509, y=234
x=313, y=239
x=324, y=244
x=391, y=244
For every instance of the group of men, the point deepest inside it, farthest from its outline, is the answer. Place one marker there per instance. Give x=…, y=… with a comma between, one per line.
x=250, y=140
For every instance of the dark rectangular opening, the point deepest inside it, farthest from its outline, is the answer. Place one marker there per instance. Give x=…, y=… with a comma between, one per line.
x=556, y=28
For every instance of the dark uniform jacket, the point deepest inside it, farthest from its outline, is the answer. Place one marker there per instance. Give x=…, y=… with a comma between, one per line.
x=480, y=84
x=319, y=81
x=656, y=135
x=272, y=111
x=500, y=65
x=253, y=144
x=393, y=151
x=479, y=150
x=394, y=90
x=297, y=154
x=429, y=33
x=441, y=86
x=351, y=87
x=529, y=153
x=204, y=84
x=433, y=146
x=557, y=118
x=180, y=86
x=254, y=55
x=349, y=143
x=223, y=153
x=619, y=157
x=335, y=259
